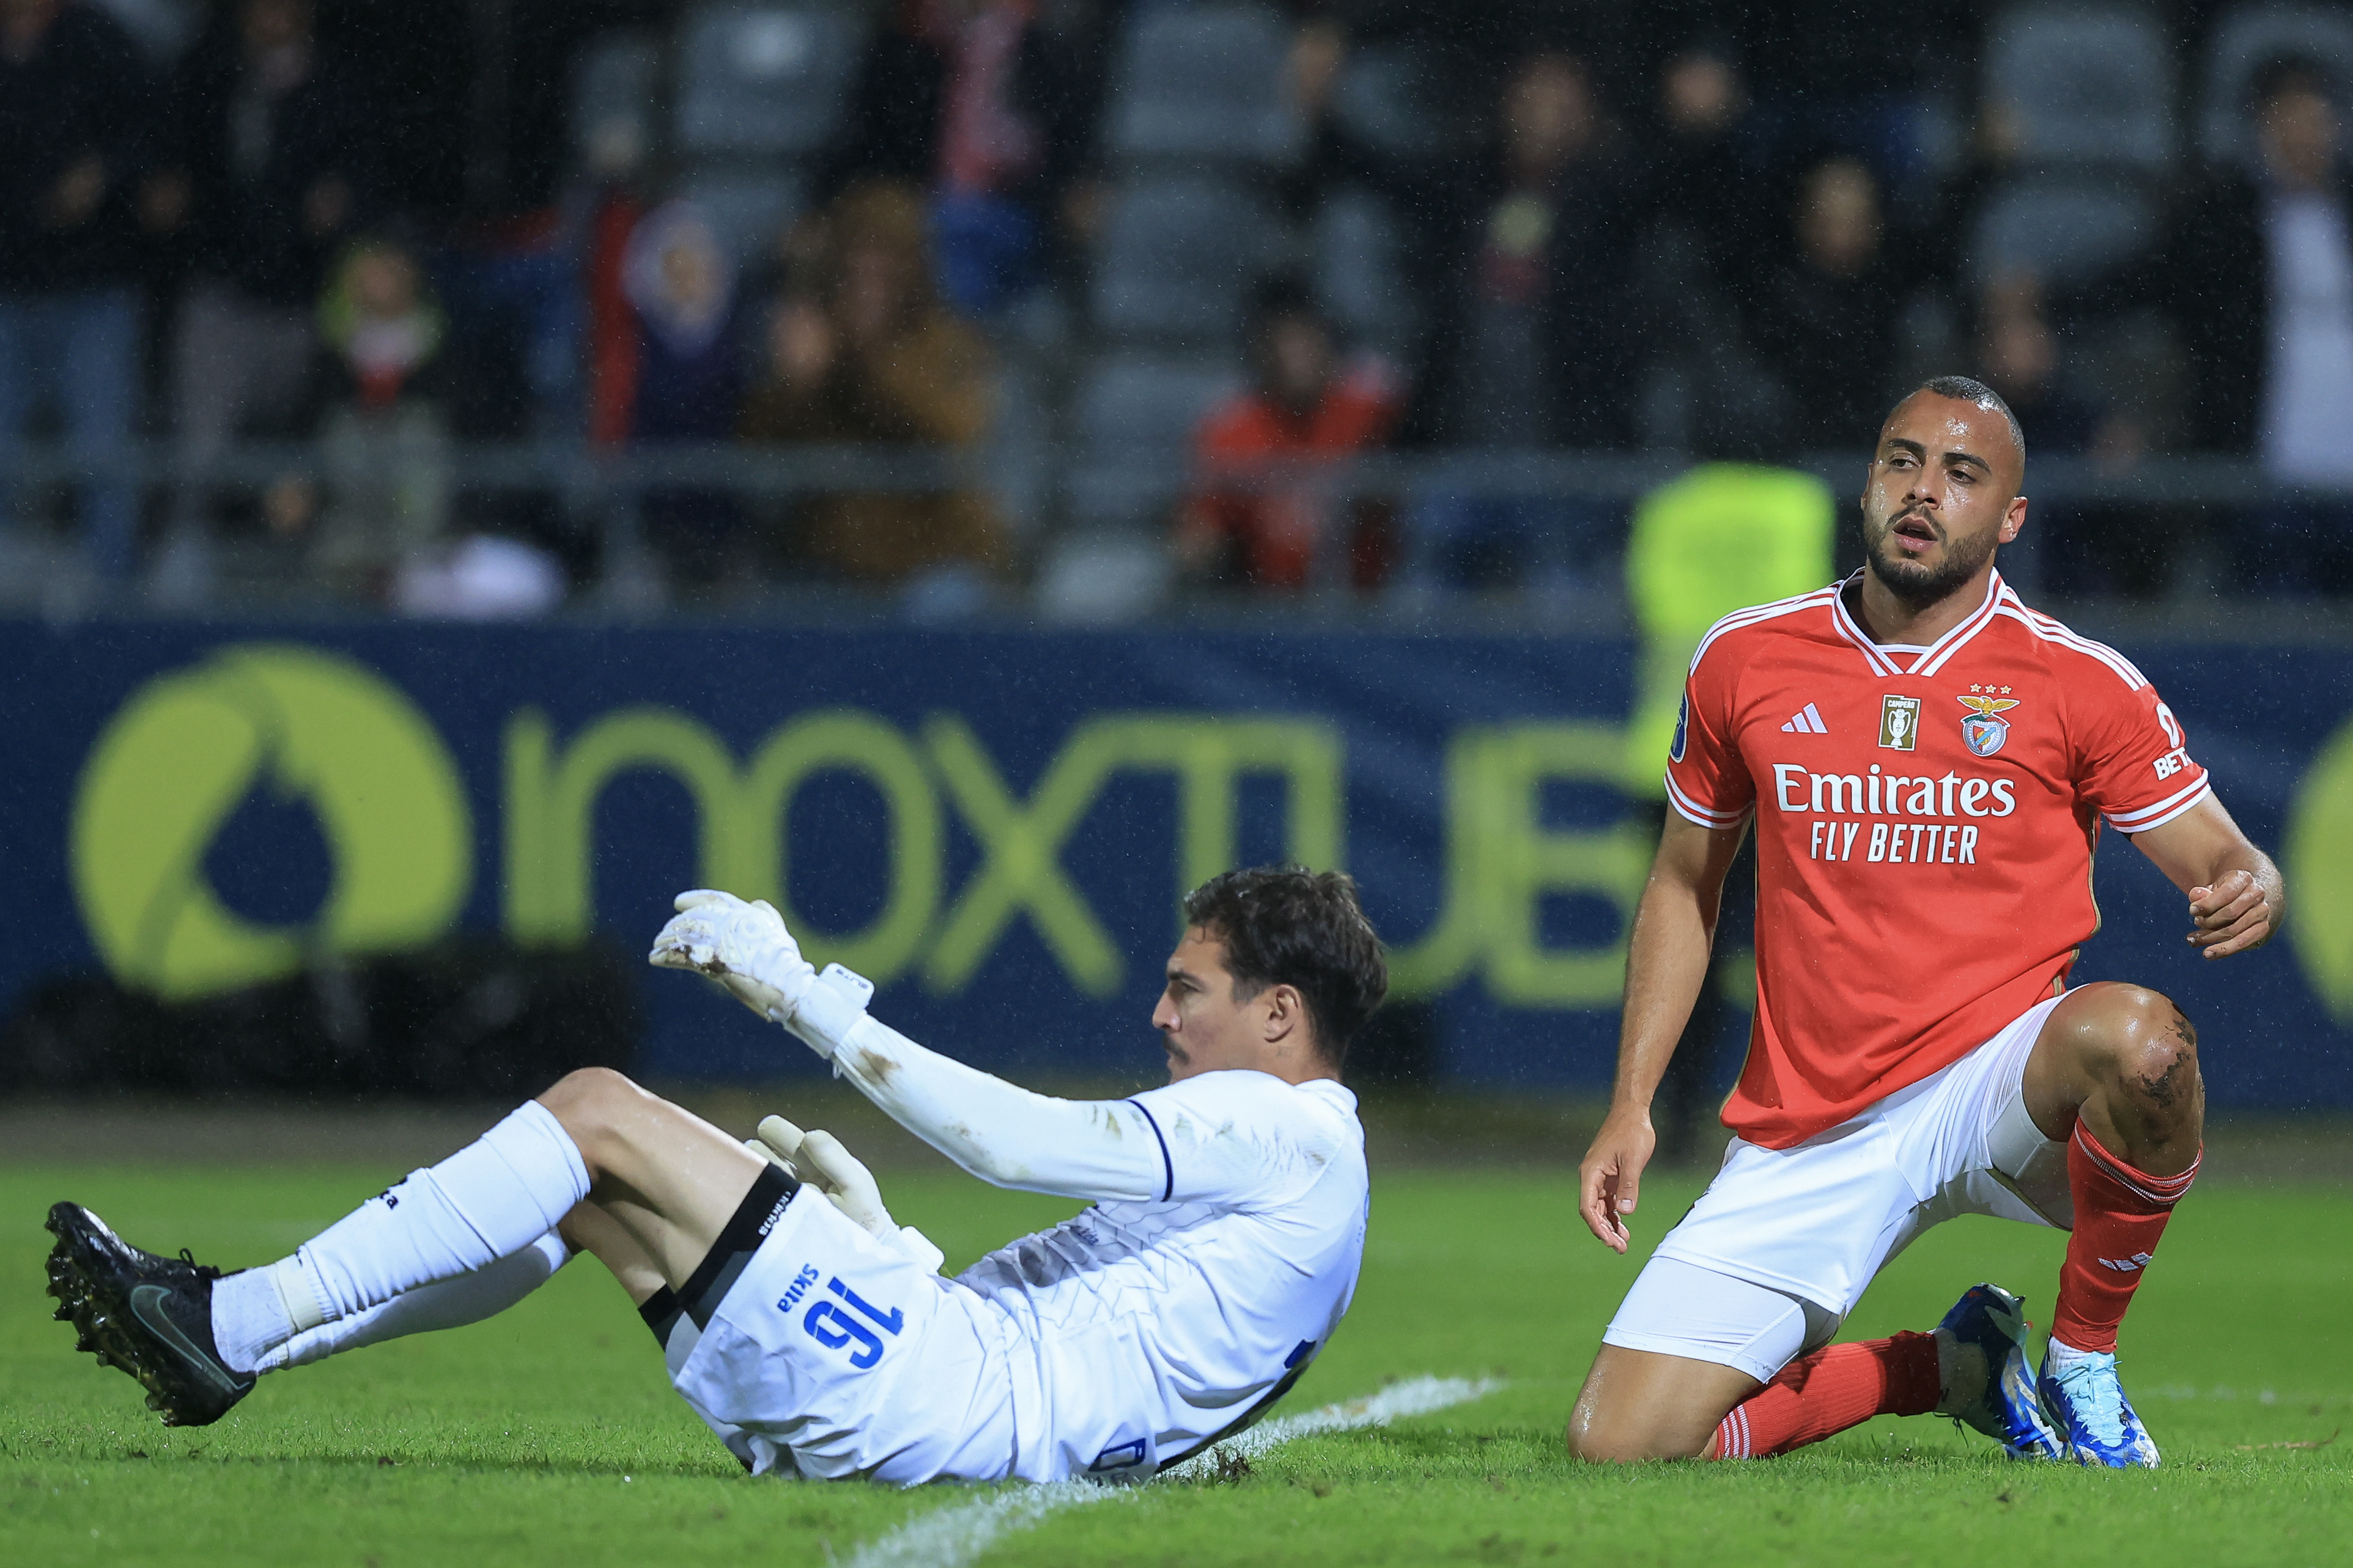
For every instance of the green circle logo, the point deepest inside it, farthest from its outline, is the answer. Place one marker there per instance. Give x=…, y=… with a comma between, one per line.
x=2319, y=854
x=188, y=748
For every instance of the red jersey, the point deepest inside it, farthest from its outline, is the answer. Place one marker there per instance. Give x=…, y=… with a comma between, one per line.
x=1279, y=531
x=1926, y=819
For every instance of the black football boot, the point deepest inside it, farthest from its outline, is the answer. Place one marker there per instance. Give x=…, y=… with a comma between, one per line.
x=150, y=1316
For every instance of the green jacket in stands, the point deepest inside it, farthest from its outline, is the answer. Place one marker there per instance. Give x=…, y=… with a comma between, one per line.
x=1719, y=539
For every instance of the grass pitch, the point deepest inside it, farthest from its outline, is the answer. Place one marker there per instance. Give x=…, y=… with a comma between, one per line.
x=549, y=1435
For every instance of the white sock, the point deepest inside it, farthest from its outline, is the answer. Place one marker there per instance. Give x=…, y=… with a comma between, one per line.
x=2060, y=1355
x=489, y=1200
x=445, y=1304
x=1961, y=1373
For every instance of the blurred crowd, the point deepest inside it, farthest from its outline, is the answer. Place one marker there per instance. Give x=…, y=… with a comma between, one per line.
x=374, y=231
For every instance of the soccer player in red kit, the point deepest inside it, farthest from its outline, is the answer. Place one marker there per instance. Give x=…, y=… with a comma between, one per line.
x=1926, y=763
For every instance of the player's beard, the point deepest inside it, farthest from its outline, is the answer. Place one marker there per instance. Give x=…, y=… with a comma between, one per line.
x=1917, y=584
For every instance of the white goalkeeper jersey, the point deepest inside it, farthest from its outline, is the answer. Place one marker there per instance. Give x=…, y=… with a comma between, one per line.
x=1221, y=1250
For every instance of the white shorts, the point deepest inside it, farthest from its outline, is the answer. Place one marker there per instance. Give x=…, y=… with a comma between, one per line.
x=1781, y=1246
x=833, y=1354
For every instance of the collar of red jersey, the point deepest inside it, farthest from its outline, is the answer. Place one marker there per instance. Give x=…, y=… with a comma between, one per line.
x=1933, y=658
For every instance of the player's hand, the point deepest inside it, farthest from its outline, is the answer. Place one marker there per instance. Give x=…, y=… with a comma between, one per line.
x=818, y=1160
x=2236, y=914
x=744, y=947
x=1610, y=1180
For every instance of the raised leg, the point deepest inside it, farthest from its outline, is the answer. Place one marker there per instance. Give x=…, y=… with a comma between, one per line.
x=667, y=1180
x=2122, y=1061
x=2115, y=1073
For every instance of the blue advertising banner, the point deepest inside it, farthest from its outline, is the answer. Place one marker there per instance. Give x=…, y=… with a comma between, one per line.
x=995, y=827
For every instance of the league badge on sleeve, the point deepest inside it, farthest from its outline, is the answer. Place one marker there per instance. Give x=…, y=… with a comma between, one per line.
x=1981, y=731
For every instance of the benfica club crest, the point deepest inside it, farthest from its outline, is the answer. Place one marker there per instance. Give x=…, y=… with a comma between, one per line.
x=1981, y=731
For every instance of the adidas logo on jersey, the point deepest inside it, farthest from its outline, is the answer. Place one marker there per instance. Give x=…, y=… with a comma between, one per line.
x=1806, y=720
x=2137, y=1262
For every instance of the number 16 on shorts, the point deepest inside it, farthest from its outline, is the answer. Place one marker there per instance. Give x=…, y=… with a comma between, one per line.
x=834, y=1326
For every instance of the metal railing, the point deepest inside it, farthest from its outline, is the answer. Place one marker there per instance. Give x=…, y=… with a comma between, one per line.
x=604, y=490
x=571, y=468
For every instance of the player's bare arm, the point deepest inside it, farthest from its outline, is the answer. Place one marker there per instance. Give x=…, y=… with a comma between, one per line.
x=2237, y=899
x=1636, y=1404
x=1666, y=963
x=2122, y=1060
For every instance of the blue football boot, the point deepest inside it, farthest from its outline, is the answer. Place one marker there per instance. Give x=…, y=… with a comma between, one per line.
x=2080, y=1391
x=1988, y=1383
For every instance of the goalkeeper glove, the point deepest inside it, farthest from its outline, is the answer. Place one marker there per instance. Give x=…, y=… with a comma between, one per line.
x=745, y=947
x=818, y=1159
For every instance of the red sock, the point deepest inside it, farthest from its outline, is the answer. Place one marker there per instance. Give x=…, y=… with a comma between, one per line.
x=1834, y=1388
x=2119, y=1215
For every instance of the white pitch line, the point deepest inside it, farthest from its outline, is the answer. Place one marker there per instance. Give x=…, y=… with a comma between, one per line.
x=1418, y=1396
x=954, y=1537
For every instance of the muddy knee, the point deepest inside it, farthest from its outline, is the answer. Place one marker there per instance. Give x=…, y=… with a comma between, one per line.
x=2153, y=1051
x=2139, y=1057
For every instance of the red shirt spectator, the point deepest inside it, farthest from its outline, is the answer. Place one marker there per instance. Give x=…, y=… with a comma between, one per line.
x=1305, y=405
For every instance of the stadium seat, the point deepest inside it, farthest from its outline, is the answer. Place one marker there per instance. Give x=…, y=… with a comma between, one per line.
x=1396, y=102
x=2242, y=44
x=748, y=209
x=1360, y=278
x=2066, y=230
x=1134, y=419
x=2084, y=85
x=615, y=86
x=1205, y=84
x=1104, y=577
x=764, y=81
x=162, y=28
x=1177, y=259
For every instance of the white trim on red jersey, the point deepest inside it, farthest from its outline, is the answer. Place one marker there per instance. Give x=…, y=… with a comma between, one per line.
x=1933, y=658
x=1845, y=623
x=1951, y=643
x=1755, y=612
x=1706, y=817
x=2164, y=810
x=2055, y=631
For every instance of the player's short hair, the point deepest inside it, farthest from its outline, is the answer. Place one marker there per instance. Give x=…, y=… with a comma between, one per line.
x=1965, y=389
x=1283, y=297
x=2289, y=75
x=1285, y=925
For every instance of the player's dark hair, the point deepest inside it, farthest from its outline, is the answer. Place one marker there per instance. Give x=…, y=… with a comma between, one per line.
x=1281, y=295
x=2288, y=76
x=1966, y=390
x=1285, y=925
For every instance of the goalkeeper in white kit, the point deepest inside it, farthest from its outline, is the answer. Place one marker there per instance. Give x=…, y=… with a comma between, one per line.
x=814, y=1335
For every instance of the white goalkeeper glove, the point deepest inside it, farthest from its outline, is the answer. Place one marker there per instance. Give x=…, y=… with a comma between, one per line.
x=745, y=947
x=818, y=1159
